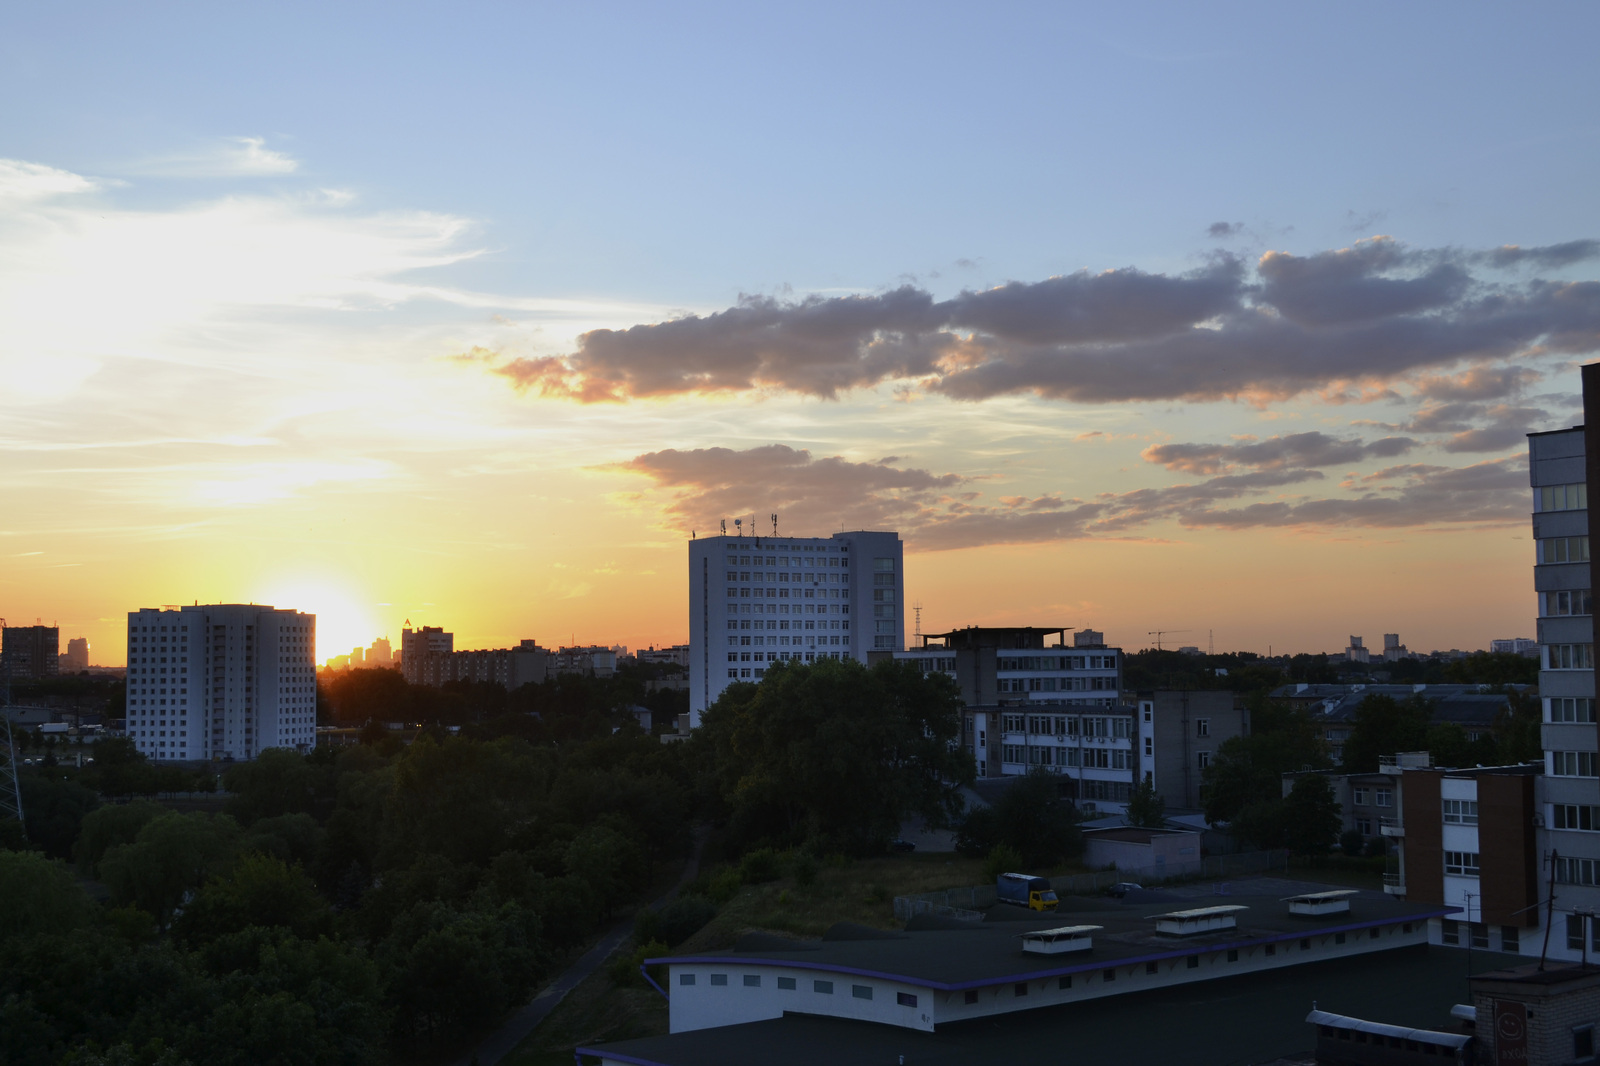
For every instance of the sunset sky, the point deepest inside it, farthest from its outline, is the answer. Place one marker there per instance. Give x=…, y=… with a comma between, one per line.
x=1225, y=318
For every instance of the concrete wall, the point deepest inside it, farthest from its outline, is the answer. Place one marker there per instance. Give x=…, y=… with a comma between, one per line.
x=1171, y=854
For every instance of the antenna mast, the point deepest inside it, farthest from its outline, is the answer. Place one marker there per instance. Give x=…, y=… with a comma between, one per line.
x=10, y=787
x=918, y=609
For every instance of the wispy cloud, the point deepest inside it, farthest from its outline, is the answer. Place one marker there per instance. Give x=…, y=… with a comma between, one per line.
x=227, y=157
x=21, y=182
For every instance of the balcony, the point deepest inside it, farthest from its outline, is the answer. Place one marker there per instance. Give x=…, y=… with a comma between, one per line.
x=1394, y=884
x=1391, y=827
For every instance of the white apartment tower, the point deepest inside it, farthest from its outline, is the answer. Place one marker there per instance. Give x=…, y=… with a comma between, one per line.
x=760, y=600
x=221, y=681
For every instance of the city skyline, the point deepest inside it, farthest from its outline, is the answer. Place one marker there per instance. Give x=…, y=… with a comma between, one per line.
x=485, y=351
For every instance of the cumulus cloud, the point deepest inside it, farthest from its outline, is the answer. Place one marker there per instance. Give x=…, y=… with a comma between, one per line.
x=21, y=182
x=1347, y=321
x=941, y=511
x=1312, y=449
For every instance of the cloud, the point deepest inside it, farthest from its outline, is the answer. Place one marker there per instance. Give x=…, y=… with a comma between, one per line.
x=21, y=182
x=1506, y=424
x=1345, y=323
x=1224, y=229
x=939, y=512
x=1312, y=449
x=1478, y=383
x=1549, y=257
x=229, y=157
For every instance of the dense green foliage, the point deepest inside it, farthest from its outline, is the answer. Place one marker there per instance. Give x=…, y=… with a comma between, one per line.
x=1247, y=673
x=347, y=907
x=1146, y=808
x=1030, y=820
x=834, y=754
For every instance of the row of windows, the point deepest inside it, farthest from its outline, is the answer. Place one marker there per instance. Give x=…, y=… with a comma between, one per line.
x=784, y=579
x=736, y=642
x=1571, y=709
x=1070, y=726
x=1572, y=764
x=1575, y=871
x=1574, y=816
x=790, y=984
x=784, y=560
x=1558, y=604
x=1056, y=684
x=1461, y=812
x=1060, y=662
x=1569, y=657
x=1464, y=863
x=1573, y=497
x=1450, y=933
x=1563, y=550
x=783, y=594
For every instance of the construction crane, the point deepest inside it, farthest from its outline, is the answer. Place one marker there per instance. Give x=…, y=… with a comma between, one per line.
x=1159, y=633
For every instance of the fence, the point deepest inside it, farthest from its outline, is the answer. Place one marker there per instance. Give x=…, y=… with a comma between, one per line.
x=968, y=903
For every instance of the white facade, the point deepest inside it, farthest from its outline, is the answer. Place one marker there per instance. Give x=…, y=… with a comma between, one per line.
x=221, y=681
x=760, y=600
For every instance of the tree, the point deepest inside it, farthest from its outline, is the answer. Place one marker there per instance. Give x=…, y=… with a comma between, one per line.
x=1383, y=726
x=836, y=753
x=1311, y=816
x=1030, y=817
x=106, y=827
x=1517, y=729
x=40, y=896
x=1146, y=808
x=1249, y=769
x=258, y=890
x=171, y=856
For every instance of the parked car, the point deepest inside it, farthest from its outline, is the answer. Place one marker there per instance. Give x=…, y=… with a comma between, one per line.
x=901, y=845
x=1122, y=888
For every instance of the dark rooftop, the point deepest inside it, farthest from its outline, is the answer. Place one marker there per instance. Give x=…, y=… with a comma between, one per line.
x=1250, y=1018
x=990, y=952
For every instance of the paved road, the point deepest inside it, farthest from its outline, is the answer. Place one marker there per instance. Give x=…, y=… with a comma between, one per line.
x=504, y=1040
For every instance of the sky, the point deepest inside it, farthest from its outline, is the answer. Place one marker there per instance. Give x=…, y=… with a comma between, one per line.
x=1225, y=321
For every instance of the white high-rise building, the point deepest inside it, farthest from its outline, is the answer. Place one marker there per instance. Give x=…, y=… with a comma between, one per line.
x=221, y=681
x=754, y=601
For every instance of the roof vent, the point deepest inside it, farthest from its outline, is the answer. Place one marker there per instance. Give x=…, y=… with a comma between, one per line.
x=1060, y=940
x=1314, y=903
x=1199, y=920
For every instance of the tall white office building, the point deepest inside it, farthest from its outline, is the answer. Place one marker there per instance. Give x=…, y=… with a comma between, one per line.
x=221, y=681
x=755, y=601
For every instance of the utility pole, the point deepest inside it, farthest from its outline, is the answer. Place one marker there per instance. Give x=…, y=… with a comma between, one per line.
x=10, y=787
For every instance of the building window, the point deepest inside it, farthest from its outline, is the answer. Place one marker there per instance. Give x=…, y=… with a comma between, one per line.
x=719, y=978
x=686, y=978
x=1384, y=797
x=1150, y=967
x=1563, y=709
x=1202, y=727
x=1064, y=981
x=1569, y=602
x=1193, y=962
x=825, y=987
x=1572, y=764
x=971, y=996
x=1461, y=812
x=1508, y=939
x=1364, y=826
x=1108, y=975
x=1569, y=656
x=1272, y=949
x=1204, y=759
x=905, y=999
x=1480, y=935
x=1575, y=871
x=1449, y=931
x=1357, y=795
x=1574, y=497
x=1583, y=1042
x=1574, y=816
x=1233, y=954
x=1574, y=932
x=1564, y=550
x=861, y=991
x=1338, y=938
x=752, y=980
x=1464, y=863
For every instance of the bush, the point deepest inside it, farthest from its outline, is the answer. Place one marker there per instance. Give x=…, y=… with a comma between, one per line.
x=1376, y=847
x=804, y=868
x=725, y=885
x=682, y=918
x=1351, y=841
x=760, y=866
x=624, y=969
x=1003, y=858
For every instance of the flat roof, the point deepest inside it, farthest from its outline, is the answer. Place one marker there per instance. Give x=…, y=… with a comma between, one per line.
x=987, y=953
x=1061, y=930
x=1416, y=985
x=1322, y=897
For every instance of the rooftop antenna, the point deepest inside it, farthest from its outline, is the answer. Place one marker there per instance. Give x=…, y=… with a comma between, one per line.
x=774, y=527
x=1211, y=643
x=918, y=609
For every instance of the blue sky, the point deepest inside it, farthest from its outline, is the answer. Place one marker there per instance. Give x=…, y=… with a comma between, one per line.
x=383, y=187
